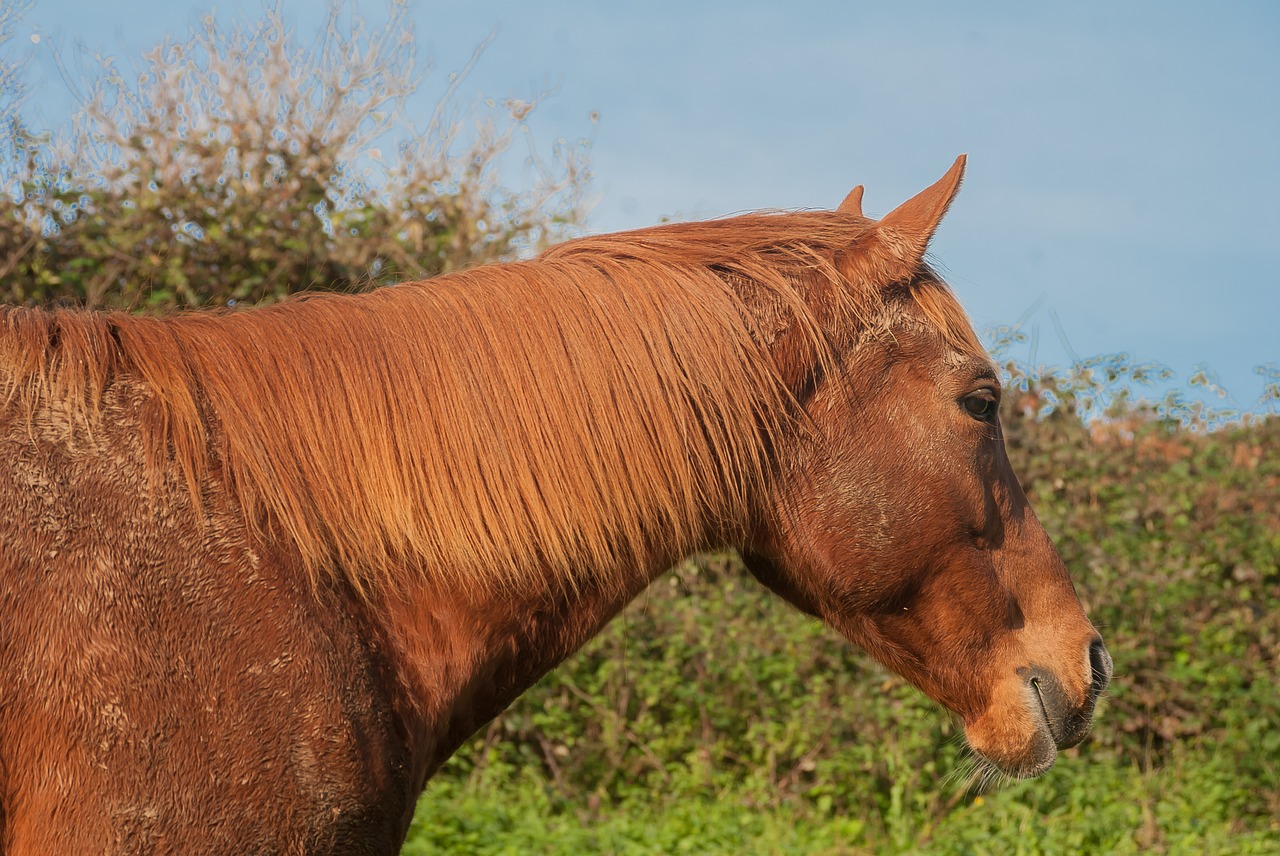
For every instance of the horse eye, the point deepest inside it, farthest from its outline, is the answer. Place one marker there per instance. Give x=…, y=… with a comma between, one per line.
x=980, y=405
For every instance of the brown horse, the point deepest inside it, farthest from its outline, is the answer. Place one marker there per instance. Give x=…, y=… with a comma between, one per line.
x=261, y=572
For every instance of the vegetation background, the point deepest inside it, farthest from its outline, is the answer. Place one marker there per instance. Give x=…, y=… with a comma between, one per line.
x=242, y=166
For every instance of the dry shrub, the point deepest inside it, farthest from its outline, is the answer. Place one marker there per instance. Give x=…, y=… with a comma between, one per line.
x=242, y=164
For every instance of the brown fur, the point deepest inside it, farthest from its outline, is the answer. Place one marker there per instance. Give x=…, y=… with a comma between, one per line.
x=262, y=571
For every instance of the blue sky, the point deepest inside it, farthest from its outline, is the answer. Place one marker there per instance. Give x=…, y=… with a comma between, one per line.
x=1123, y=158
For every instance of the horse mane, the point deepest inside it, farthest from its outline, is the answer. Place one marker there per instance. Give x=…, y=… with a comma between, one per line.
x=512, y=425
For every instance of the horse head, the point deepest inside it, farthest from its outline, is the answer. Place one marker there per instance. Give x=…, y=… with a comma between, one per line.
x=902, y=525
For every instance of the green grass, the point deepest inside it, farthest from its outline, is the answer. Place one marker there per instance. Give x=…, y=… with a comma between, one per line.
x=1082, y=806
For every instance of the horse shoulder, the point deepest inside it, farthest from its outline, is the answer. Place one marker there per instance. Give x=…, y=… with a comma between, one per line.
x=164, y=674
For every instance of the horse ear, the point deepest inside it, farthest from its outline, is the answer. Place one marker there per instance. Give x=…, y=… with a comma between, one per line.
x=852, y=203
x=908, y=228
x=892, y=249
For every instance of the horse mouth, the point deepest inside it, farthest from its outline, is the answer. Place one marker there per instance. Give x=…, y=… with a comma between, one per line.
x=1032, y=717
x=1037, y=755
x=1050, y=734
x=1044, y=712
x=1068, y=722
x=991, y=769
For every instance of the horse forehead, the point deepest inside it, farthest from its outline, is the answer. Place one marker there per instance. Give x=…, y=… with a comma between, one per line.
x=912, y=337
x=940, y=325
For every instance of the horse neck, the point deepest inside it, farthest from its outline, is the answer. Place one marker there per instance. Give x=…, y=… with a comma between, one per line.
x=464, y=657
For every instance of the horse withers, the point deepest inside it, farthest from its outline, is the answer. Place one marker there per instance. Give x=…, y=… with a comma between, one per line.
x=263, y=571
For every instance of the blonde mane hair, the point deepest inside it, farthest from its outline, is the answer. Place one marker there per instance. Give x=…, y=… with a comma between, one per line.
x=515, y=424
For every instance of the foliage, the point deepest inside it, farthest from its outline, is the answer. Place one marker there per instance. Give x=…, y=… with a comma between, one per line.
x=711, y=718
x=238, y=166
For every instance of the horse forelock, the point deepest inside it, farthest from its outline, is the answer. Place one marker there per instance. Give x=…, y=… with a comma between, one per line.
x=938, y=305
x=519, y=424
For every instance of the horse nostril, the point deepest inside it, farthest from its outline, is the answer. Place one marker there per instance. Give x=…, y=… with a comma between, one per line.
x=1100, y=665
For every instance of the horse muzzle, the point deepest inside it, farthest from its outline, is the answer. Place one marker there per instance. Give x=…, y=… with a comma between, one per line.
x=1068, y=723
x=1034, y=715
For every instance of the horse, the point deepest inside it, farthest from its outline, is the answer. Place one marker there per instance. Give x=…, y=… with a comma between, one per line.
x=262, y=571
